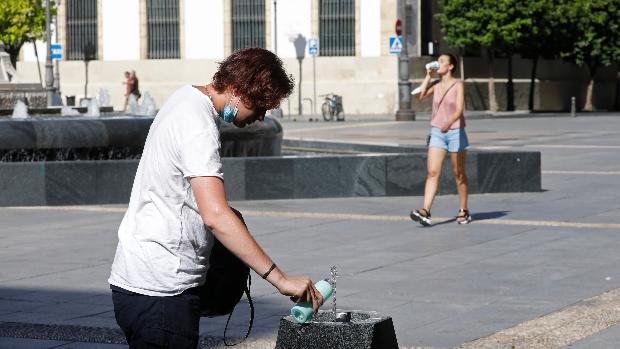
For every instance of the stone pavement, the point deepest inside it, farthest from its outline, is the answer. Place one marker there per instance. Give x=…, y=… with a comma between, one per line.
x=534, y=270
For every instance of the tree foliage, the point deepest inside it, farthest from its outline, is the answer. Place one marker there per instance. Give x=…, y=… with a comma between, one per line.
x=460, y=23
x=543, y=37
x=585, y=32
x=495, y=24
x=21, y=21
x=594, y=26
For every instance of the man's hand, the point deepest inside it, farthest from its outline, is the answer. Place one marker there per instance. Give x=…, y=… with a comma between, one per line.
x=300, y=289
x=445, y=128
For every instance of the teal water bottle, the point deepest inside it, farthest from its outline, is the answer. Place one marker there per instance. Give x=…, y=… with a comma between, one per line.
x=303, y=312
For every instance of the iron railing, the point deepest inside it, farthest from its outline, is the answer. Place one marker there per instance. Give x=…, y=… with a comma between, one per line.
x=248, y=24
x=337, y=27
x=162, y=18
x=81, y=28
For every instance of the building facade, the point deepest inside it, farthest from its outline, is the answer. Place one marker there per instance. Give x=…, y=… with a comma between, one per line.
x=170, y=43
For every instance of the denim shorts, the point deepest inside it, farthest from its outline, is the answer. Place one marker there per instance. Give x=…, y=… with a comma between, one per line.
x=453, y=141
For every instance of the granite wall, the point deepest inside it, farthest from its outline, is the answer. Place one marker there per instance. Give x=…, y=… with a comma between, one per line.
x=260, y=178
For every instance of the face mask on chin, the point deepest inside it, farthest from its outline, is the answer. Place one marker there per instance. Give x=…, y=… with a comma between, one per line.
x=229, y=112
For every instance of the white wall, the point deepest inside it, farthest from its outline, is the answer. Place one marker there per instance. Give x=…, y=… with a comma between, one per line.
x=370, y=36
x=121, y=29
x=204, y=29
x=294, y=17
x=367, y=82
x=28, y=53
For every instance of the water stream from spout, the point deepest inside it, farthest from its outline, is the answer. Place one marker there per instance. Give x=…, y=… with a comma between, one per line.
x=132, y=105
x=93, y=108
x=148, y=107
x=20, y=110
x=334, y=275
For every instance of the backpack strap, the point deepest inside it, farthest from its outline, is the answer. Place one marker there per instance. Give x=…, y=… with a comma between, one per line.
x=247, y=294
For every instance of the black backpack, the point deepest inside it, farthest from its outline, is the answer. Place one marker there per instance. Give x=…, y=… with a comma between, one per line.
x=228, y=278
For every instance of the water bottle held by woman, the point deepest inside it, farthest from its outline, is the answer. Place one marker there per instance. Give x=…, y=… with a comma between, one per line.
x=434, y=65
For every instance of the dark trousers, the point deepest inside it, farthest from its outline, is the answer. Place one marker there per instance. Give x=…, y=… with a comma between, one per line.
x=158, y=322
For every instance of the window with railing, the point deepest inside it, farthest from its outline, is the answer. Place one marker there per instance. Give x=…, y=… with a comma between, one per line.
x=248, y=24
x=337, y=27
x=81, y=29
x=162, y=21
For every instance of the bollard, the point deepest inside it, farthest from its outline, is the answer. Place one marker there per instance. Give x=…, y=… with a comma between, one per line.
x=573, y=107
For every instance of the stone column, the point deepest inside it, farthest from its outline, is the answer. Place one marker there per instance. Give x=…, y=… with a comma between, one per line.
x=404, y=113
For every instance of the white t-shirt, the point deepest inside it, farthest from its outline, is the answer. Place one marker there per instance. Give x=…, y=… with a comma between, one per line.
x=164, y=246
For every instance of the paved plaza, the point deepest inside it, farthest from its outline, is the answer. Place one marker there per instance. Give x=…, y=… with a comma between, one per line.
x=533, y=270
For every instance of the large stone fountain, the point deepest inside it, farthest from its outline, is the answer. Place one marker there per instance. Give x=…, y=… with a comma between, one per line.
x=61, y=160
x=117, y=137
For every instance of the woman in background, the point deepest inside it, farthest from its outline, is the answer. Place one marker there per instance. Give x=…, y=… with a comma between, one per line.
x=447, y=136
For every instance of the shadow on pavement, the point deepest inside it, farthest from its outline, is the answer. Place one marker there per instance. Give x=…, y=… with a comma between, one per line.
x=480, y=216
x=89, y=317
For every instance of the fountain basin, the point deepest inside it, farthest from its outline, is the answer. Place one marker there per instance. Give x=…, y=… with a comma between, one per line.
x=81, y=160
x=115, y=138
x=271, y=177
x=365, y=330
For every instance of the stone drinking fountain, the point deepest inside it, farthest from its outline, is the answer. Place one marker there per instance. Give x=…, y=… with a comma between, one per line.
x=363, y=330
x=335, y=329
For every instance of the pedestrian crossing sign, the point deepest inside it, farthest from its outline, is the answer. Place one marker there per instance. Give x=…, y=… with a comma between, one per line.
x=396, y=44
x=56, y=51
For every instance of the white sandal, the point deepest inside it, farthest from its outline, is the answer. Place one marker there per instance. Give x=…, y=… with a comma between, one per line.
x=465, y=218
x=422, y=215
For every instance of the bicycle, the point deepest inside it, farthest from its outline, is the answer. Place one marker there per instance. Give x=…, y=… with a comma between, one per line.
x=332, y=106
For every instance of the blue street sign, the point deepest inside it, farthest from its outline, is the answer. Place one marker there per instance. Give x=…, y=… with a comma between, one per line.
x=313, y=46
x=396, y=44
x=56, y=51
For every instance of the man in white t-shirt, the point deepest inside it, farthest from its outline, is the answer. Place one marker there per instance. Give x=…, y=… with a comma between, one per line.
x=178, y=206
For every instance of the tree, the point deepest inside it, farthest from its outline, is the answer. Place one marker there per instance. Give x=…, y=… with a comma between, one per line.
x=21, y=21
x=544, y=37
x=594, y=26
x=494, y=25
x=462, y=25
x=617, y=94
x=509, y=20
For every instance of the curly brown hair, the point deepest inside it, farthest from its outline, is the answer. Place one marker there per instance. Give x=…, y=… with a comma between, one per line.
x=255, y=75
